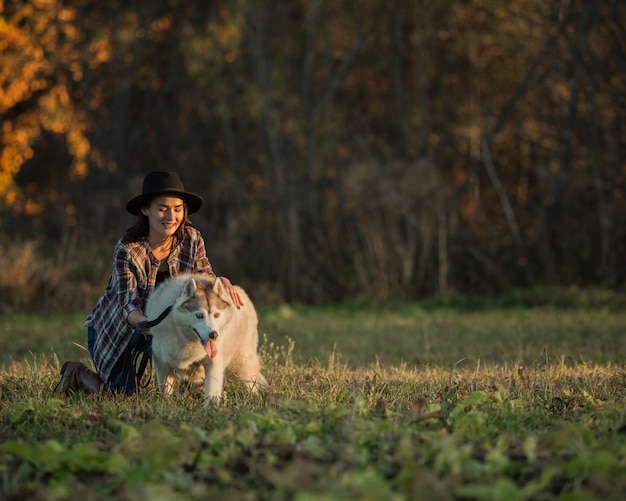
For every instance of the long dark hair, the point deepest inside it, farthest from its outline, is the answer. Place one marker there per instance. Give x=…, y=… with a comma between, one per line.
x=140, y=230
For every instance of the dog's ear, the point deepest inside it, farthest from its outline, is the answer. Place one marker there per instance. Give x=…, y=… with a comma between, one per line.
x=190, y=288
x=219, y=288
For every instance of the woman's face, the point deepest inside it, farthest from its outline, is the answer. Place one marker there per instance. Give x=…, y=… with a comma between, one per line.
x=165, y=214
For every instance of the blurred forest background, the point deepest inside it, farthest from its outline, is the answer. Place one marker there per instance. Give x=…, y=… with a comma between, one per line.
x=345, y=149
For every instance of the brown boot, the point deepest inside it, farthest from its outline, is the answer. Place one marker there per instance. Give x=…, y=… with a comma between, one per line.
x=77, y=376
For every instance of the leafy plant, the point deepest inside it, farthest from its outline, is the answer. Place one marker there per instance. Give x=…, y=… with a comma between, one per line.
x=331, y=429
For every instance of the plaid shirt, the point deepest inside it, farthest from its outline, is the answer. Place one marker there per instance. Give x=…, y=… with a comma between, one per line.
x=132, y=281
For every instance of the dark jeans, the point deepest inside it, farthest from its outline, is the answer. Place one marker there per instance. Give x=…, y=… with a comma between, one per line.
x=123, y=377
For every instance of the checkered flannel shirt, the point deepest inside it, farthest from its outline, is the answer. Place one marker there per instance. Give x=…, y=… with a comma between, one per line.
x=132, y=281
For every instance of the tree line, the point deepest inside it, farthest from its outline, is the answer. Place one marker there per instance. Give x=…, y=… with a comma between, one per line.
x=373, y=149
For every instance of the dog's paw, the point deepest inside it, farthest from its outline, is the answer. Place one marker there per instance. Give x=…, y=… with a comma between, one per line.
x=212, y=402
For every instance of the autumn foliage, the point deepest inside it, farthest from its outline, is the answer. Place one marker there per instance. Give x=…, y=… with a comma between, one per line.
x=371, y=149
x=42, y=71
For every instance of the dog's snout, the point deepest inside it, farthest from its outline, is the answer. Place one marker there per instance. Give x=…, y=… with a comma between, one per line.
x=213, y=335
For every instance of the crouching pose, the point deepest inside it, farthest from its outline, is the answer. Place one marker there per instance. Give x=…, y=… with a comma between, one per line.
x=160, y=245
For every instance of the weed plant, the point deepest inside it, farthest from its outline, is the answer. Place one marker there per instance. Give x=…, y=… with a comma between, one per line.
x=402, y=404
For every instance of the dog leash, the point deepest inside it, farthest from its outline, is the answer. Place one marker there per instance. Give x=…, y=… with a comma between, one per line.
x=140, y=355
x=141, y=346
x=146, y=324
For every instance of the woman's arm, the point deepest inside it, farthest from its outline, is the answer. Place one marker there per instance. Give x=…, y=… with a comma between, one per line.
x=232, y=292
x=128, y=276
x=135, y=317
x=202, y=263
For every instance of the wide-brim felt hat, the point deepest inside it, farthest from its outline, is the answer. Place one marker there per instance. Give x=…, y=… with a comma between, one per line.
x=163, y=183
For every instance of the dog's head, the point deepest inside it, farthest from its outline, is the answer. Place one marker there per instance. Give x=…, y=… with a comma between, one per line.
x=201, y=310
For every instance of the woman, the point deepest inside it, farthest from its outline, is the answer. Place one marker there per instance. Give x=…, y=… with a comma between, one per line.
x=160, y=245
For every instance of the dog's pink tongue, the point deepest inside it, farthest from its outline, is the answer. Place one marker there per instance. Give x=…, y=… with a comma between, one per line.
x=211, y=349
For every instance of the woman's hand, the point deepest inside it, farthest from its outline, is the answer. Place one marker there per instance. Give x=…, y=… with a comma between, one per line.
x=135, y=317
x=232, y=292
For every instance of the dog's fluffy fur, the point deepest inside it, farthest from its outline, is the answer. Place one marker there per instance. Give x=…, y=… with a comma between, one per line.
x=204, y=336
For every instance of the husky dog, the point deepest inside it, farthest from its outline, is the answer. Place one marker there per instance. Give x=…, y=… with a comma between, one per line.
x=204, y=336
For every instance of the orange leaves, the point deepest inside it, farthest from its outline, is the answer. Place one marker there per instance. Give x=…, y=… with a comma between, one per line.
x=99, y=50
x=23, y=68
x=163, y=23
x=43, y=56
x=16, y=149
x=59, y=115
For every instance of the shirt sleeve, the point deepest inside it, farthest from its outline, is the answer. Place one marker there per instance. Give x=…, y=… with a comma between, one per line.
x=128, y=277
x=201, y=261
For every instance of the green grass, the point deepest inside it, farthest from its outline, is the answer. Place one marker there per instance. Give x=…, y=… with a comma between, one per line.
x=22, y=336
x=448, y=337
x=402, y=402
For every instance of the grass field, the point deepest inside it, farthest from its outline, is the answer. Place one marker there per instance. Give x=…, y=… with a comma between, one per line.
x=404, y=402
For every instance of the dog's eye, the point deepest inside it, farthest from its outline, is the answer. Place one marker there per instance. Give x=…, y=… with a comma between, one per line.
x=199, y=316
x=216, y=315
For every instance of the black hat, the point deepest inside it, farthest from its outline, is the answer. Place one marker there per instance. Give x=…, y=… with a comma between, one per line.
x=163, y=183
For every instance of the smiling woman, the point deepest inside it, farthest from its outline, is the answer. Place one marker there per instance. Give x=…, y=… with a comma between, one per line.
x=161, y=244
x=165, y=215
